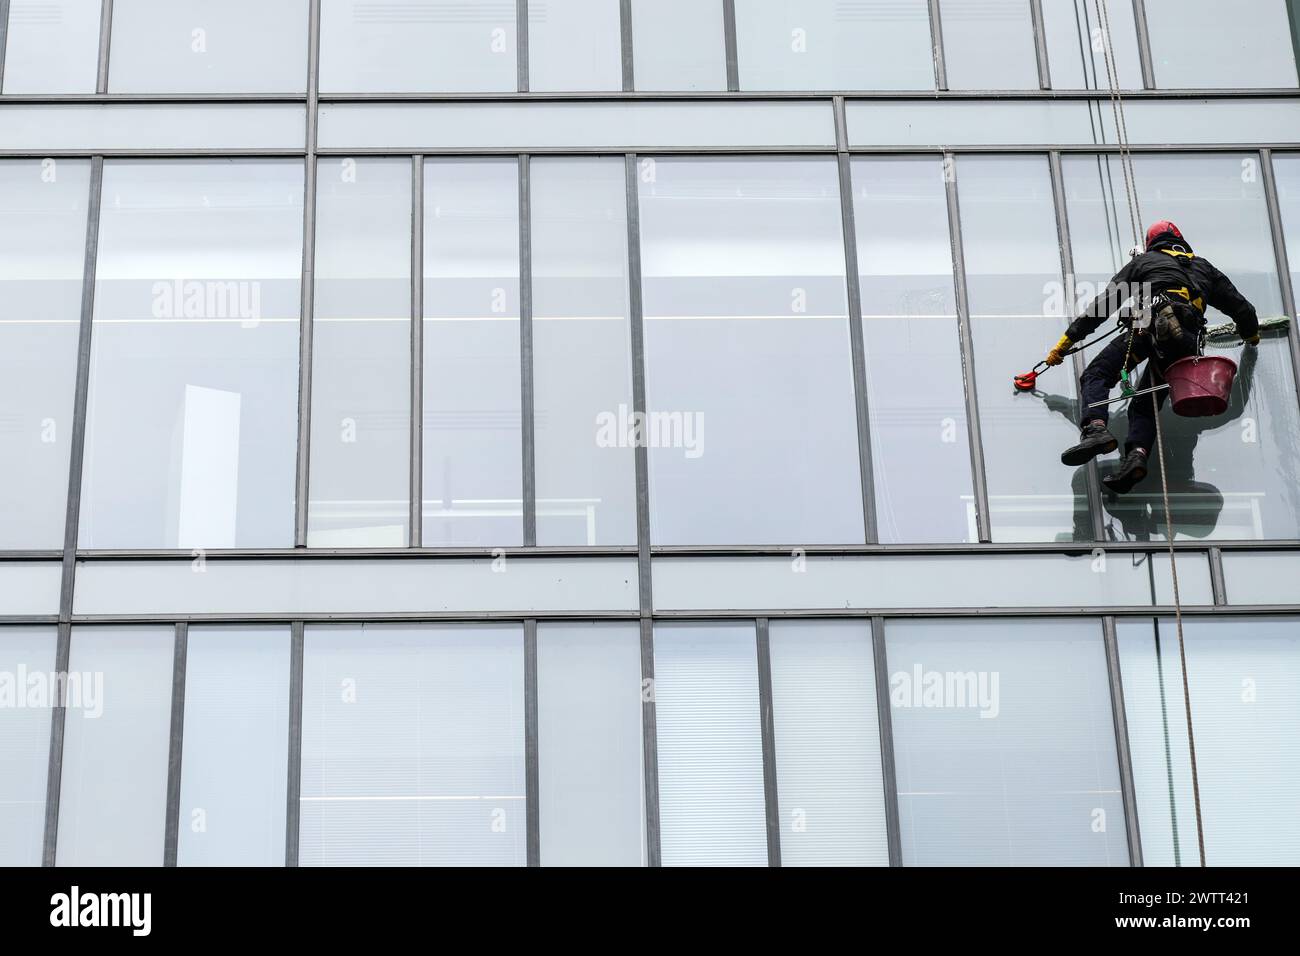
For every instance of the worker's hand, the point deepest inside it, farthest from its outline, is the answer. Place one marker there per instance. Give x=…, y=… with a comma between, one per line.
x=1057, y=355
x=1253, y=340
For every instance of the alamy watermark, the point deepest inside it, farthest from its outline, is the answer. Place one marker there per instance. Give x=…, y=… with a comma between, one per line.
x=953, y=690
x=208, y=299
x=22, y=689
x=628, y=429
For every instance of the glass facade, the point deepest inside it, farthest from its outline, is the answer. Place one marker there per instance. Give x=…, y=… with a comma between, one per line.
x=582, y=433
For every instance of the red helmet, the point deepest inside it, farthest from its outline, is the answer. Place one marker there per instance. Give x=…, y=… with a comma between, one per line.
x=1163, y=228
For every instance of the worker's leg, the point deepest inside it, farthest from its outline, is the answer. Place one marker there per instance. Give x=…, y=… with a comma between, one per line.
x=1142, y=413
x=1094, y=386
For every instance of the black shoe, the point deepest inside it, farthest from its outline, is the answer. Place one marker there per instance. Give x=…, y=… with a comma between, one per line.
x=1132, y=469
x=1094, y=440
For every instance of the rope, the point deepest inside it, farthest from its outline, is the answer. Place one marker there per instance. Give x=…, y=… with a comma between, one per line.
x=1135, y=218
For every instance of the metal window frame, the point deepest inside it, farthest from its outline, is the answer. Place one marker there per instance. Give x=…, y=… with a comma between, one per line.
x=645, y=551
x=4, y=39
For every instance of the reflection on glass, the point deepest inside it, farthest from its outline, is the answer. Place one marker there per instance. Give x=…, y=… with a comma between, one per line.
x=582, y=365
x=1004, y=744
x=236, y=743
x=1076, y=44
x=473, y=465
x=417, y=46
x=920, y=446
x=591, y=791
x=1207, y=44
x=1013, y=276
x=117, y=731
x=574, y=45
x=194, y=46
x=42, y=257
x=1236, y=475
x=361, y=354
x=711, y=803
x=831, y=45
x=989, y=44
x=678, y=45
x=828, y=774
x=52, y=46
x=751, y=428
x=1244, y=678
x=193, y=410
x=413, y=746
x=25, y=742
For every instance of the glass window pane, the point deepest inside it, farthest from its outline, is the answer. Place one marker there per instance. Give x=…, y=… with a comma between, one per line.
x=417, y=46
x=1013, y=276
x=1004, y=744
x=473, y=449
x=193, y=412
x=194, y=46
x=828, y=773
x=413, y=746
x=234, y=769
x=1286, y=168
x=52, y=46
x=831, y=45
x=1244, y=677
x=27, y=697
x=678, y=45
x=582, y=363
x=574, y=45
x=113, y=799
x=1076, y=44
x=151, y=127
x=920, y=445
x=1232, y=476
x=590, y=770
x=989, y=45
x=527, y=126
x=360, y=488
x=42, y=258
x=1208, y=44
x=711, y=803
x=747, y=343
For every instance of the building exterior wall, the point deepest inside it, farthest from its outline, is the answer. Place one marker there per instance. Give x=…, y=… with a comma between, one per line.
x=581, y=432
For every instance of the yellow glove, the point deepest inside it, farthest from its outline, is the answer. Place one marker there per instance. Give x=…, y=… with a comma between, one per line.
x=1253, y=340
x=1057, y=355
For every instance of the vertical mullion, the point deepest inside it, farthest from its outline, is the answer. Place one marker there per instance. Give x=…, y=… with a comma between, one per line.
x=1040, y=44
x=4, y=39
x=1093, y=483
x=1144, y=44
x=978, y=472
x=105, y=39
x=532, y=785
x=527, y=424
x=857, y=335
x=645, y=592
x=1128, y=790
x=767, y=723
x=729, y=39
x=72, y=516
x=171, y=832
x=521, y=46
x=1217, y=581
x=417, y=352
x=1282, y=257
x=936, y=44
x=308, y=292
x=625, y=42
x=889, y=776
x=293, y=787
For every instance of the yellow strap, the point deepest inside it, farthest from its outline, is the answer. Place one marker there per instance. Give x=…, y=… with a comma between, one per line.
x=1184, y=255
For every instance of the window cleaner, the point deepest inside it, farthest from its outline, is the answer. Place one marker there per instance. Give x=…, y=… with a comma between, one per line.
x=1171, y=286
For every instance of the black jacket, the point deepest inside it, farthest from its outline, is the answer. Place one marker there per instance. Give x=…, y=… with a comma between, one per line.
x=1160, y=271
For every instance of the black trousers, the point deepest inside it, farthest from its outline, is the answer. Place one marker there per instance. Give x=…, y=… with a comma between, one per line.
x=1102, y=374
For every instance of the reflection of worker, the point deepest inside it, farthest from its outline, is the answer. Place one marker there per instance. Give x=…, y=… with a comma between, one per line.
x=1171, y=286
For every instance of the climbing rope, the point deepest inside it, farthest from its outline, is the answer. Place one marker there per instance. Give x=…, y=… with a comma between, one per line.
x=1135, y=218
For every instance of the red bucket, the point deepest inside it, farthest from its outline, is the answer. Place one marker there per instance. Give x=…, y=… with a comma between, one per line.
x=1200, y=387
